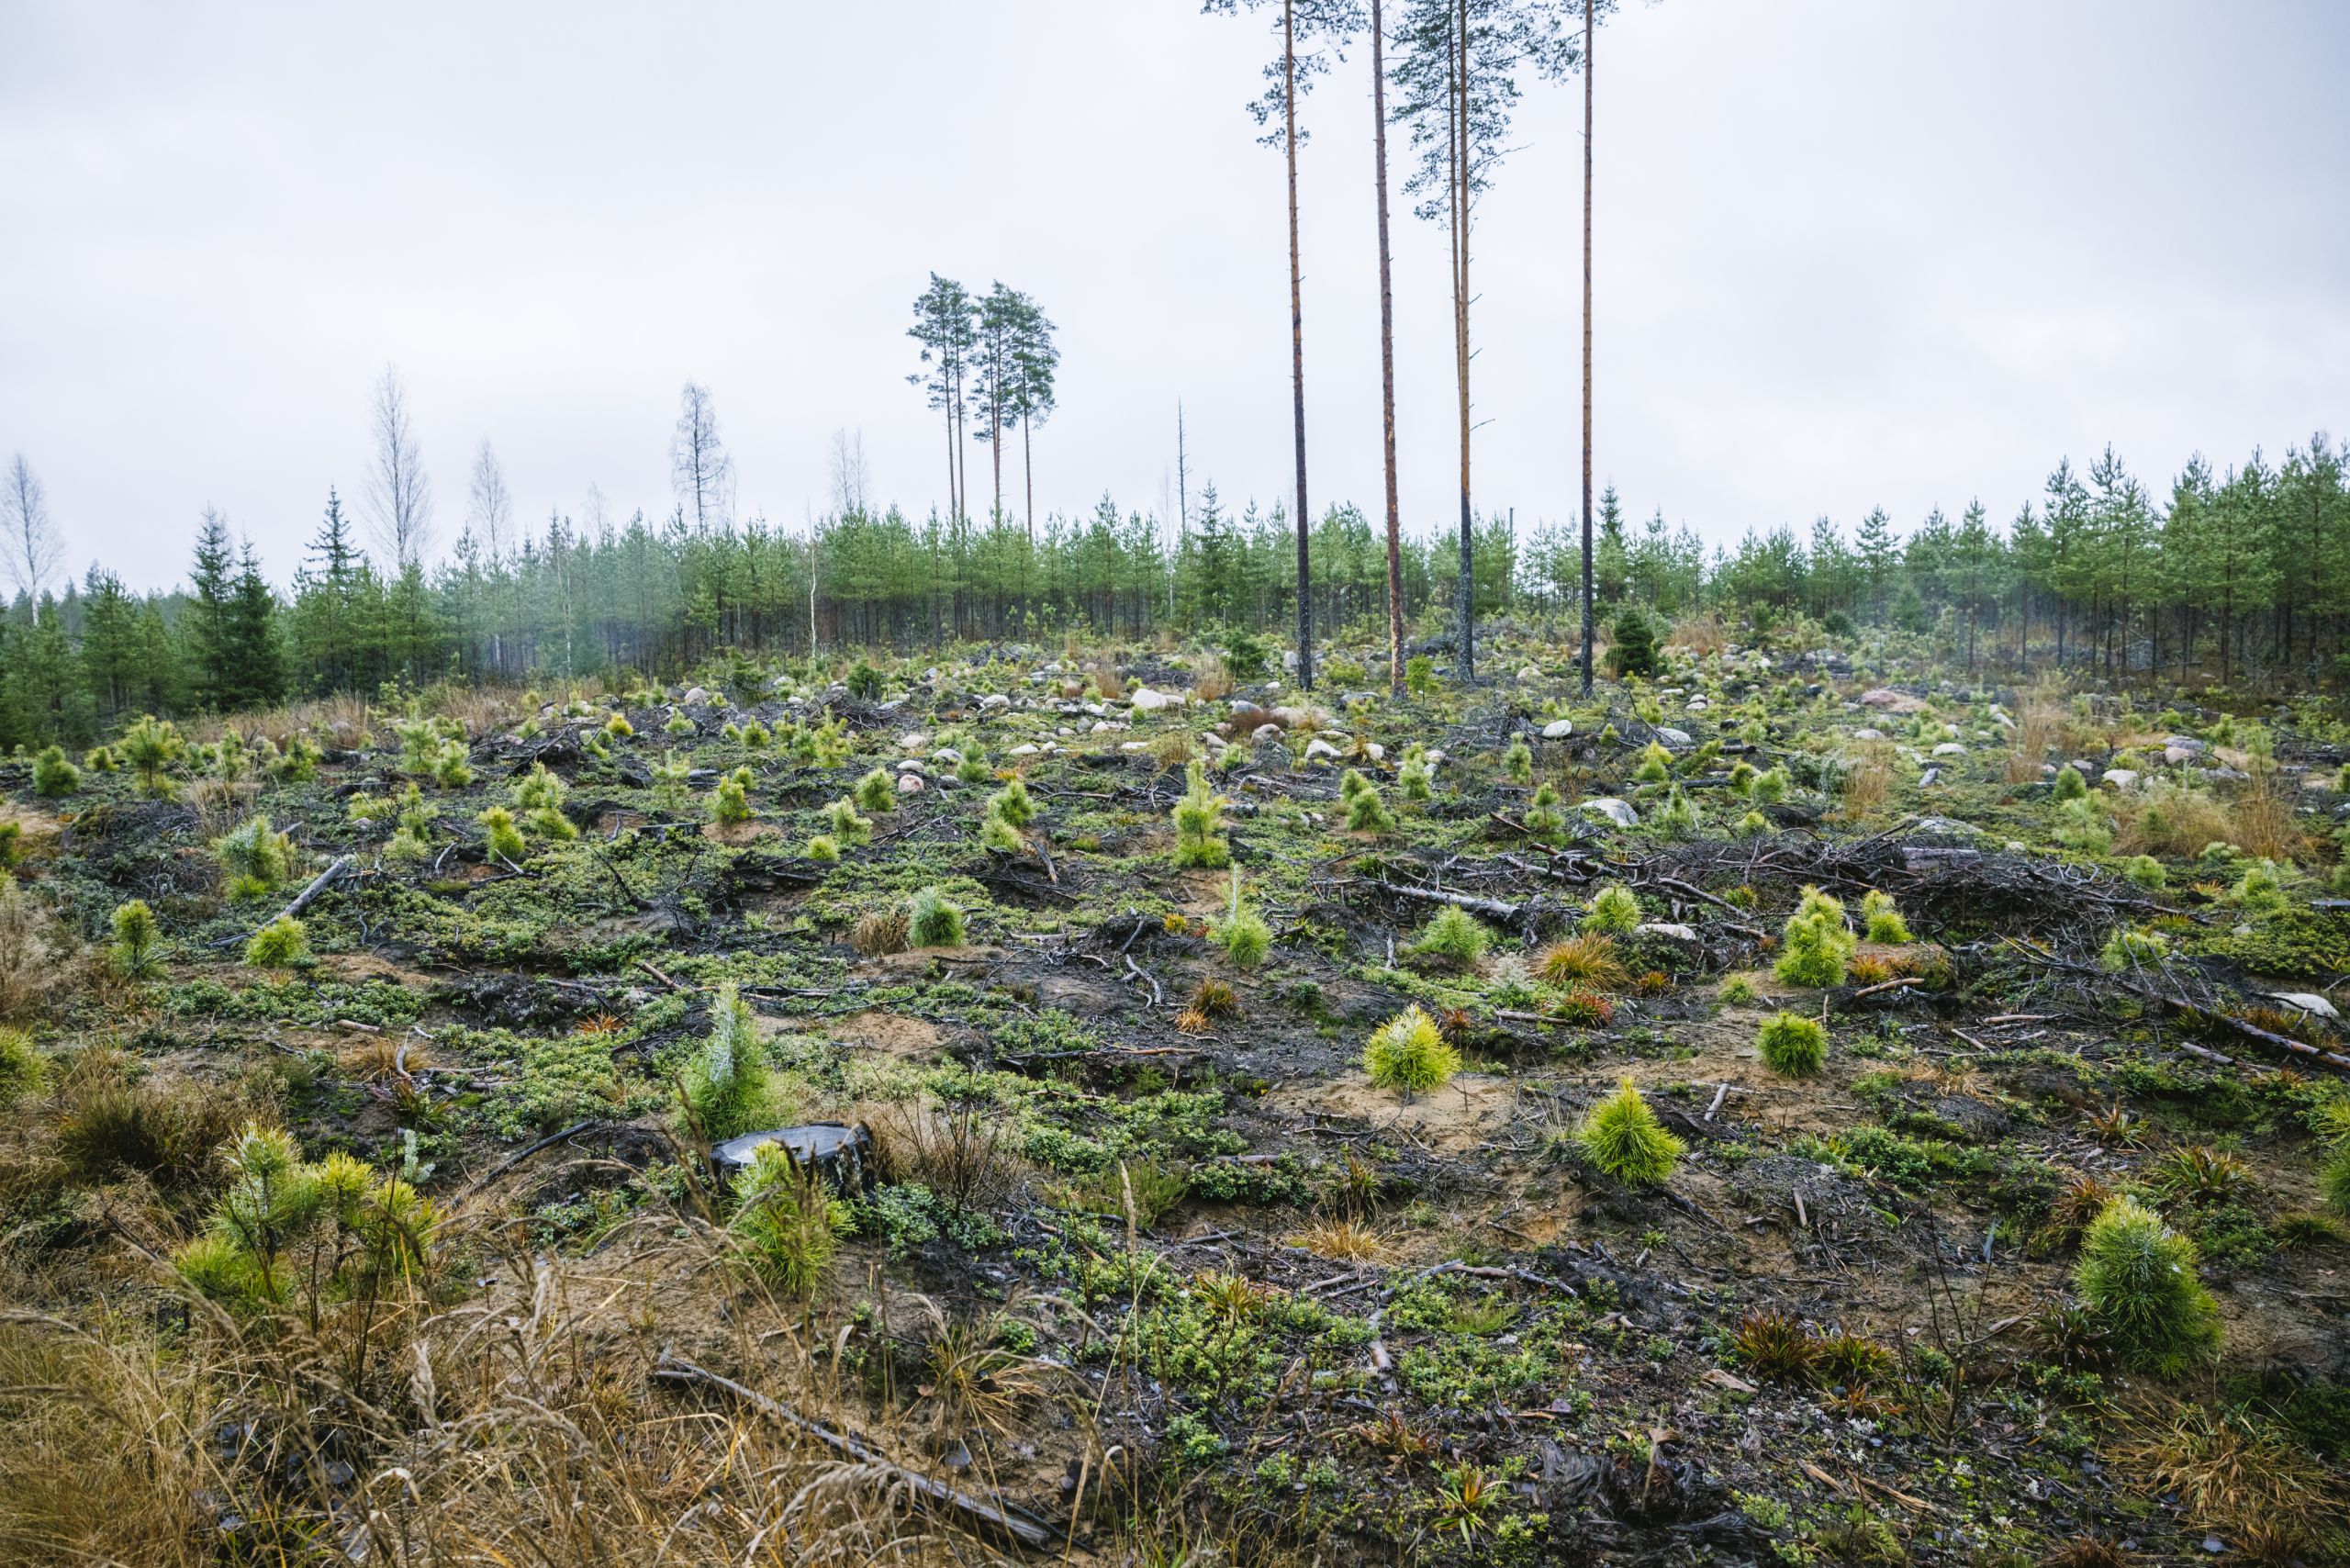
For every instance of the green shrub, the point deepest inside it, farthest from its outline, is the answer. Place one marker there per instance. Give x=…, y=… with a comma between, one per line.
x=999, y=834
x=2145, y=871
x=865, y=682
x=256, y=857
x=823, y=848
x=280, y=944
x=932, y=922
x=972, y=770
x=2070, y=785
x=21, y=1067
x=727, y=1086
x=1770, y=788
x=1012, y=802
x=1816, y=945
x=1614, y=912
x=1453, y=940
x=787, y=1224
x=1199, y=822
x=877, y=791
x=53, y=776
x=153, y=749
x=540, y=789
x=1517, y=761
x=2334, y=1180
x=500, y=837
x=841, y=819
x=1622, y=1138
x=1679, y=819
x=1737, y=992
x=138, y=938
x=2129, y=947
x=1414, y=779
x=1884, y=921
x=1791, y=1045
x=730, y=804
x=1366, y=813
x=1419, y=674
x=2081, y=825
x=1409, y=1054
x=1244, y=936
x=2138, y=1279
x=1633, y=644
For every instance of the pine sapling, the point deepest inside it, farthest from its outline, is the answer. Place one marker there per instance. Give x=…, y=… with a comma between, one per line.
x=1622, y=1138
x=1410, y=1055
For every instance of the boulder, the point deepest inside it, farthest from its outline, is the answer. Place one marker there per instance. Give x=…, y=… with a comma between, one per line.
x=695, y=696
x=994, y=702
x=915, y=742
x=1319, y=750
x=909, y=783
x=2188, y=744
x=2177, y=756
x=1529, y=673
x=1950, y=748
x=1883, y=697
x=2119, y=779
x=1557, y=729
x=1265, y=733
x=842, y=1154
x=1866, y=733
x=1666, y=735
x=1619, y=812
x=1025, y=748
x=1146, y=700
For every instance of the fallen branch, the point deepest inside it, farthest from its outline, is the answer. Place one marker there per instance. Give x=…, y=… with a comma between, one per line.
x=1002, y=1517
x=549, y=1141
x=1493, y=909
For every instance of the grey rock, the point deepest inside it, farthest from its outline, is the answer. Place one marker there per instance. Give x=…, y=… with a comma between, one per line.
x=1557, y=729
x=1617, y=810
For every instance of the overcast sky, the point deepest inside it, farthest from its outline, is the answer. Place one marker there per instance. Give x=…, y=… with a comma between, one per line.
x=1850, y=252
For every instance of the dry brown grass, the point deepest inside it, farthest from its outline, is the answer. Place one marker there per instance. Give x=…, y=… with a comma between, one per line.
x=1106, y=680
x=1589, y=961
x=221, y=804
x=30, y=951
x=878, y=935
x=1700, y=634
x=1868, y=780
x=480, y=710
x=1344, y=1241
x=521, y=1426
x=2241, y=1477
x=2039, y=724
x=1210, y=679
x=2262, y=813
x=2169, y=820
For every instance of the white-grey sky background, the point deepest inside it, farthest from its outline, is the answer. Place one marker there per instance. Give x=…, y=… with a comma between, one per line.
x=1850, y=252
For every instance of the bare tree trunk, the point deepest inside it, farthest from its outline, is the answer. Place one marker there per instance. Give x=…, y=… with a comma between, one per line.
x=1029, y=477
x=1589, y=31
x=1387, y=358
x=1297, y=352
x=1467, y=645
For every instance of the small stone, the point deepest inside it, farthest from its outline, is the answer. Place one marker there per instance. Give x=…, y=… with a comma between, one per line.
x=1319, y=750
x=1670, y=736
x=1880, y=698
x=2182, y=743
x=1244, y=709
x=1264, y=732
x=948, y=755
x=2119, y=779
x=1133, y=745
x=909, y=783
x=1025, y=748
x=915, y=742
x=2177, y=756
x=2307, y=1001
x=1666, y=929
x=994, y=702
x=1376, y=752
x=1866, y=733
x=1529, y=673
x=1433, y=755
x=1619, y=812
x=1208, y=738
x=695, y=696
x=1557, y=729
x=1950, y=748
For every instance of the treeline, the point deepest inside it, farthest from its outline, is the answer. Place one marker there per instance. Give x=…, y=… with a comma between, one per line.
x=2240, y=571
